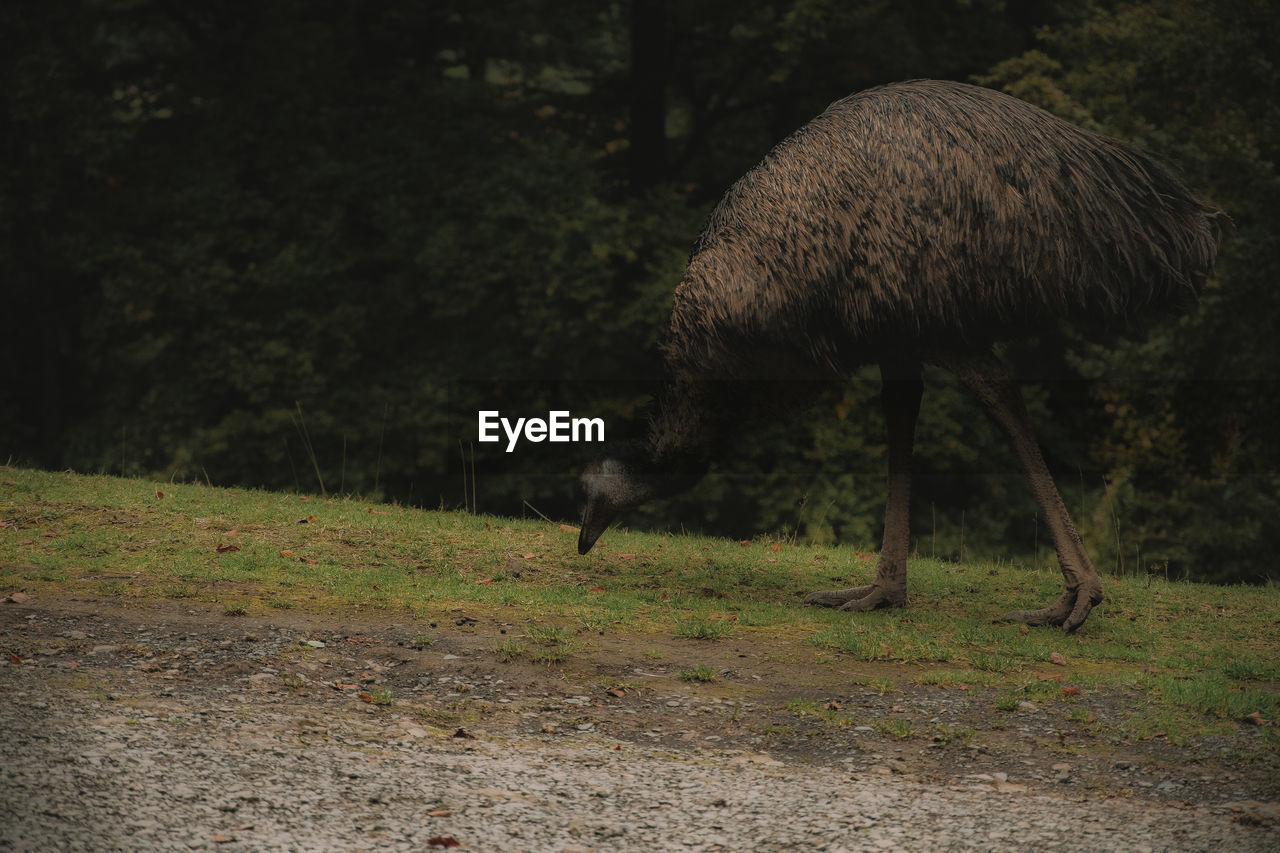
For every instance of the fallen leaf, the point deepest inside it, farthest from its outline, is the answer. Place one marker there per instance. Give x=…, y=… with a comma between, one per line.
x=443, y=841
x=1254, y=719
x=49, y=535
x=464, y=734
x=626, y=556
x=286, y=553
x=568, y=528
x=834, y=706
x=616, y=747
x=595, y=589
x=223, y=549
x=1023, y=629
x=745, y=542
x=440, y=813
x=222, y=839
x=529, y=556
x=1058, y=659
x=485, y=580
x=308, y=519
x=308, y=561
x=1049, y=677
x=365, y=697
x=159, y=493
x=235, y=531
x=1071, y=691
x=16, y=597
x=14, y=659
x=775, y=547
x=617, y=691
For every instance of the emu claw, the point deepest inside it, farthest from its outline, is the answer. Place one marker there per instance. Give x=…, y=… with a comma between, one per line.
x=837, y=597
x=876, y=599
x=858, y=598
x=1069, y=611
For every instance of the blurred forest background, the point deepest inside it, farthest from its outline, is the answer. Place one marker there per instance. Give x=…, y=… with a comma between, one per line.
x=274, y=244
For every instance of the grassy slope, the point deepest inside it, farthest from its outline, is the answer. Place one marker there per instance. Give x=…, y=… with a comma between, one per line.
x=1206, y=656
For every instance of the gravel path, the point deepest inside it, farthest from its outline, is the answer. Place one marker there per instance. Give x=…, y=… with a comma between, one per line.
x=79, y=778
x=109, y=747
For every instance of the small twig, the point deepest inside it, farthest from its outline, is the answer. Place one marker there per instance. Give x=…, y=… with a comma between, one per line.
x=535, y=509
x=462, y=455
x=475, y=504
x=804, y=503
x=382, y=431
x=342, y=480
x=297, y=486
x=301, y=425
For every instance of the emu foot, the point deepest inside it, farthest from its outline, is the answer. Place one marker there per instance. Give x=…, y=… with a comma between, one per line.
x=837, y=597
x=858, y=598
x=1069, y=611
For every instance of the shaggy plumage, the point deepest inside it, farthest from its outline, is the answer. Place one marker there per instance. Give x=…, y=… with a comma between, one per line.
x=917, y=222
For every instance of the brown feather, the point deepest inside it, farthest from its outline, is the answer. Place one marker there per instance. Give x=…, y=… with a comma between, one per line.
x=927, y=218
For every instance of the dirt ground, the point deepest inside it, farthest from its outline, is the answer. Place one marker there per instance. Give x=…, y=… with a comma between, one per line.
x=134, y=675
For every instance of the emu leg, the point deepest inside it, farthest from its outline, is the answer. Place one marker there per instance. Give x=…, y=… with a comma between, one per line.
x=993, y=384
x=900, y=395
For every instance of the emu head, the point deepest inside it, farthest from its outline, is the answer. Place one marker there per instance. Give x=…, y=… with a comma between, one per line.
x=610, y=486
x=614, y=484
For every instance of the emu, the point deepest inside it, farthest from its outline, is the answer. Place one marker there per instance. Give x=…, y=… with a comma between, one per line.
x=916, y=223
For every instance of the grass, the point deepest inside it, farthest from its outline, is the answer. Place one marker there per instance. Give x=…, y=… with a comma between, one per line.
x=698, y=627
x=1202, y=658
x=700, y=673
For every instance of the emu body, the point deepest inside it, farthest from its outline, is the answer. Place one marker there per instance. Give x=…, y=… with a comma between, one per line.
x=920, y=222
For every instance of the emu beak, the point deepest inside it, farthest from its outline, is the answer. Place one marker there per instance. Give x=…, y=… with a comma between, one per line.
x=592, y=527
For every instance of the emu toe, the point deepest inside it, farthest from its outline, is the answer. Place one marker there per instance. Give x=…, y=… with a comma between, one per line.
x=877, y=598
x=836, y=597
x=858, y=598
x=1069, y=611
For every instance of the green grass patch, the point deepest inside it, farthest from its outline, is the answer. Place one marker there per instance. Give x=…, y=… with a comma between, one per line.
x=700, y=673
x=1201, y=658
x=960, y=678
x=894, y=728
x=698, y=627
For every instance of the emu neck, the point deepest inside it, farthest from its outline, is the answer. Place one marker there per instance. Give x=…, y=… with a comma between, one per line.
x=686, y=424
